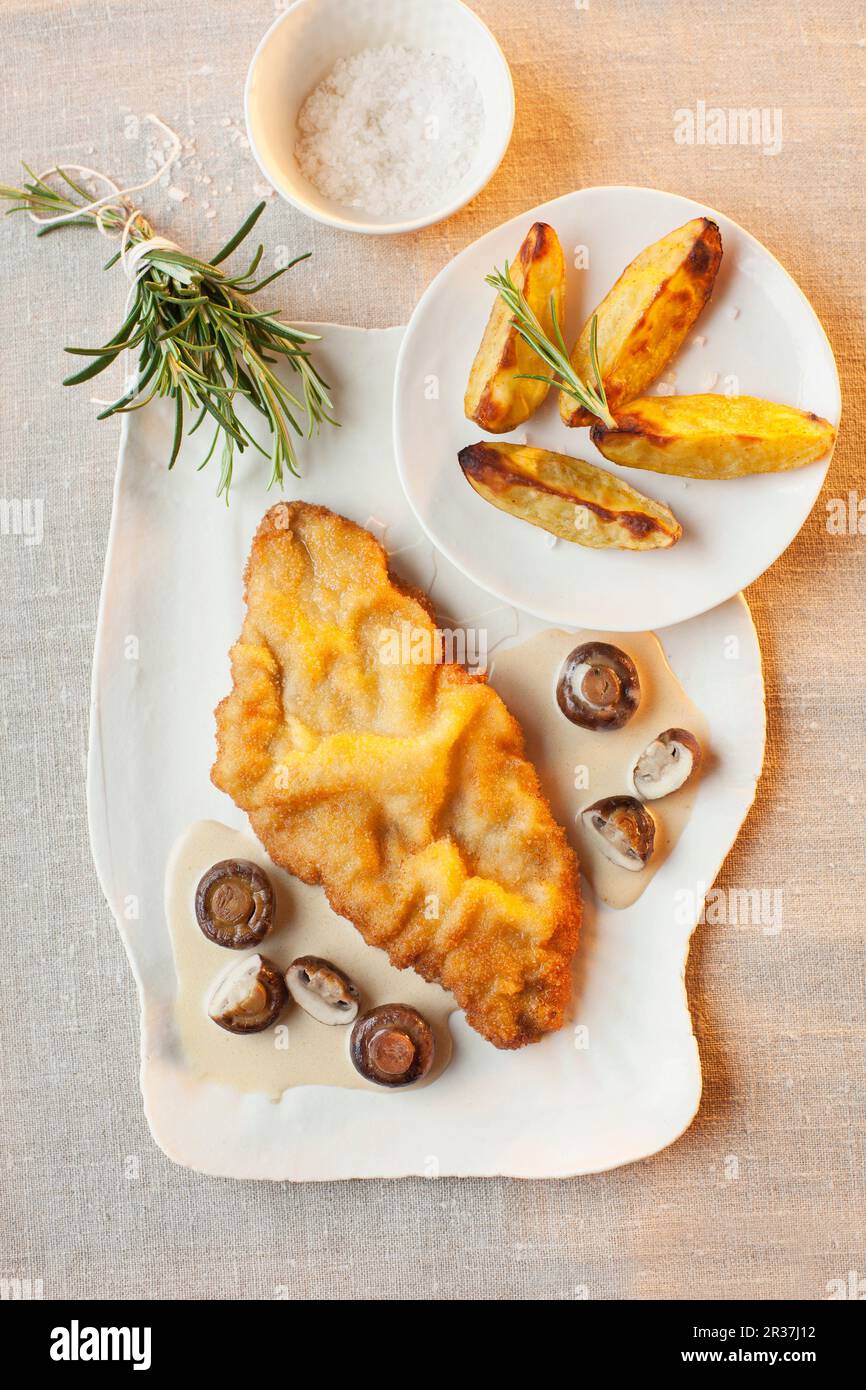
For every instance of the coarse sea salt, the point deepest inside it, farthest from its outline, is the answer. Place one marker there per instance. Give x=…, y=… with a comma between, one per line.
x=390, y=131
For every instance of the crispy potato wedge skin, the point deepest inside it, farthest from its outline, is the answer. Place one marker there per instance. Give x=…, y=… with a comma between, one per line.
x=569, y=498
x=496, y=398
x=713, y=436
x=645, y=318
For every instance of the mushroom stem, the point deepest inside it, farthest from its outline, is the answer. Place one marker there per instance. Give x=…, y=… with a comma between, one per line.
x=598, y=687
x=392, y=1045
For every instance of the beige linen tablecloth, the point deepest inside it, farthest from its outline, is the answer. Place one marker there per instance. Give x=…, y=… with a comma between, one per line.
x=764, y=1196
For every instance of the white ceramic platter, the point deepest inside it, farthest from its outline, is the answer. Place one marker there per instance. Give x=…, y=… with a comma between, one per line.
x=171, y=607
x=759, y=336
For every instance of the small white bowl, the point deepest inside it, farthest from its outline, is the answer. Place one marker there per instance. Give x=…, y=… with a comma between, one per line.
x=301, y=48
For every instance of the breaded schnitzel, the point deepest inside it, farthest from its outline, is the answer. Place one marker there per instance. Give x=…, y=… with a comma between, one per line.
x=399, y=785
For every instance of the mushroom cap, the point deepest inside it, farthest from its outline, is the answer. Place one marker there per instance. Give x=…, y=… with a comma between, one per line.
x=598, y=686
x=234, y=904
x=666, y=764
x=249, y=997
x=392, y=1045
x=323, y=991
x=624, y=830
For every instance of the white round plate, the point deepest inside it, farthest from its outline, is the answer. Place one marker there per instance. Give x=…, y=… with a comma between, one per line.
x=758, y=336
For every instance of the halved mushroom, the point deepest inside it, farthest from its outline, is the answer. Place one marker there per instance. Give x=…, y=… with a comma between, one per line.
x=234, y=904
x=392, y=1045
x=250, y=997
x=666, y=764
x=624, y=830
x=598, y=686
x=323, y=991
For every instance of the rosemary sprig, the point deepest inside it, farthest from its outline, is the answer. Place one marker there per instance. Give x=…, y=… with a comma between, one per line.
x=554, y=354
x=199, y=338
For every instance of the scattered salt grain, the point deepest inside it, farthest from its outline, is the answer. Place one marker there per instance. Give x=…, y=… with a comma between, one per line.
x=699, y=340
x=391, y=131
x=734, y=312
x=235, y=132
x=709, y=381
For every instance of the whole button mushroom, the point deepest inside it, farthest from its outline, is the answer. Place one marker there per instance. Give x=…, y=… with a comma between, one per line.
x=250, y=997
x=234, y=904
x=598, y=687
x=624, y=831
x=322, y=990
x=666, y=764
x=392, y=1045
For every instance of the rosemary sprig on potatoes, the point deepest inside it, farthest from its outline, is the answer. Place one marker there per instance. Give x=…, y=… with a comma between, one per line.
x=552, y=352
x=200, y=340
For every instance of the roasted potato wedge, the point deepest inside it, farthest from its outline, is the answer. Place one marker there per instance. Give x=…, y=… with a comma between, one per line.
x=713, y=436
x=569, y=498
x=497, y=398
x=645, y=318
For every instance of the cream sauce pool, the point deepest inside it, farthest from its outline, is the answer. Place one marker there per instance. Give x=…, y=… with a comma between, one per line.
x=576, y=767
x=297, y=1050
x=579, y=766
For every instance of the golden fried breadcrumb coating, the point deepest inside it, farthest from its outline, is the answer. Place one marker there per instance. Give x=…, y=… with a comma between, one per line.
x=399, y=785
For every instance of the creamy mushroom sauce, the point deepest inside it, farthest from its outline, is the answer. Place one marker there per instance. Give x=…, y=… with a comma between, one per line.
x=297, y=1050
x=526, y=677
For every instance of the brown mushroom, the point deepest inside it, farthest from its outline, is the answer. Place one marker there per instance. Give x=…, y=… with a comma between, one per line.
x=624, y=831
x=666, y=764
x=392, y=1045
x=598, y=687
x=234, y=904
x=322, y=990
x=250, y=997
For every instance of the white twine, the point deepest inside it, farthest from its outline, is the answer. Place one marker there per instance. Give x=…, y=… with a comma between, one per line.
x=132, y=257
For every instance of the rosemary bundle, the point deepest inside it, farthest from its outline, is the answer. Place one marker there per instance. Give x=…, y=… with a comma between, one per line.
x=553, y=353
x=199, y=338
